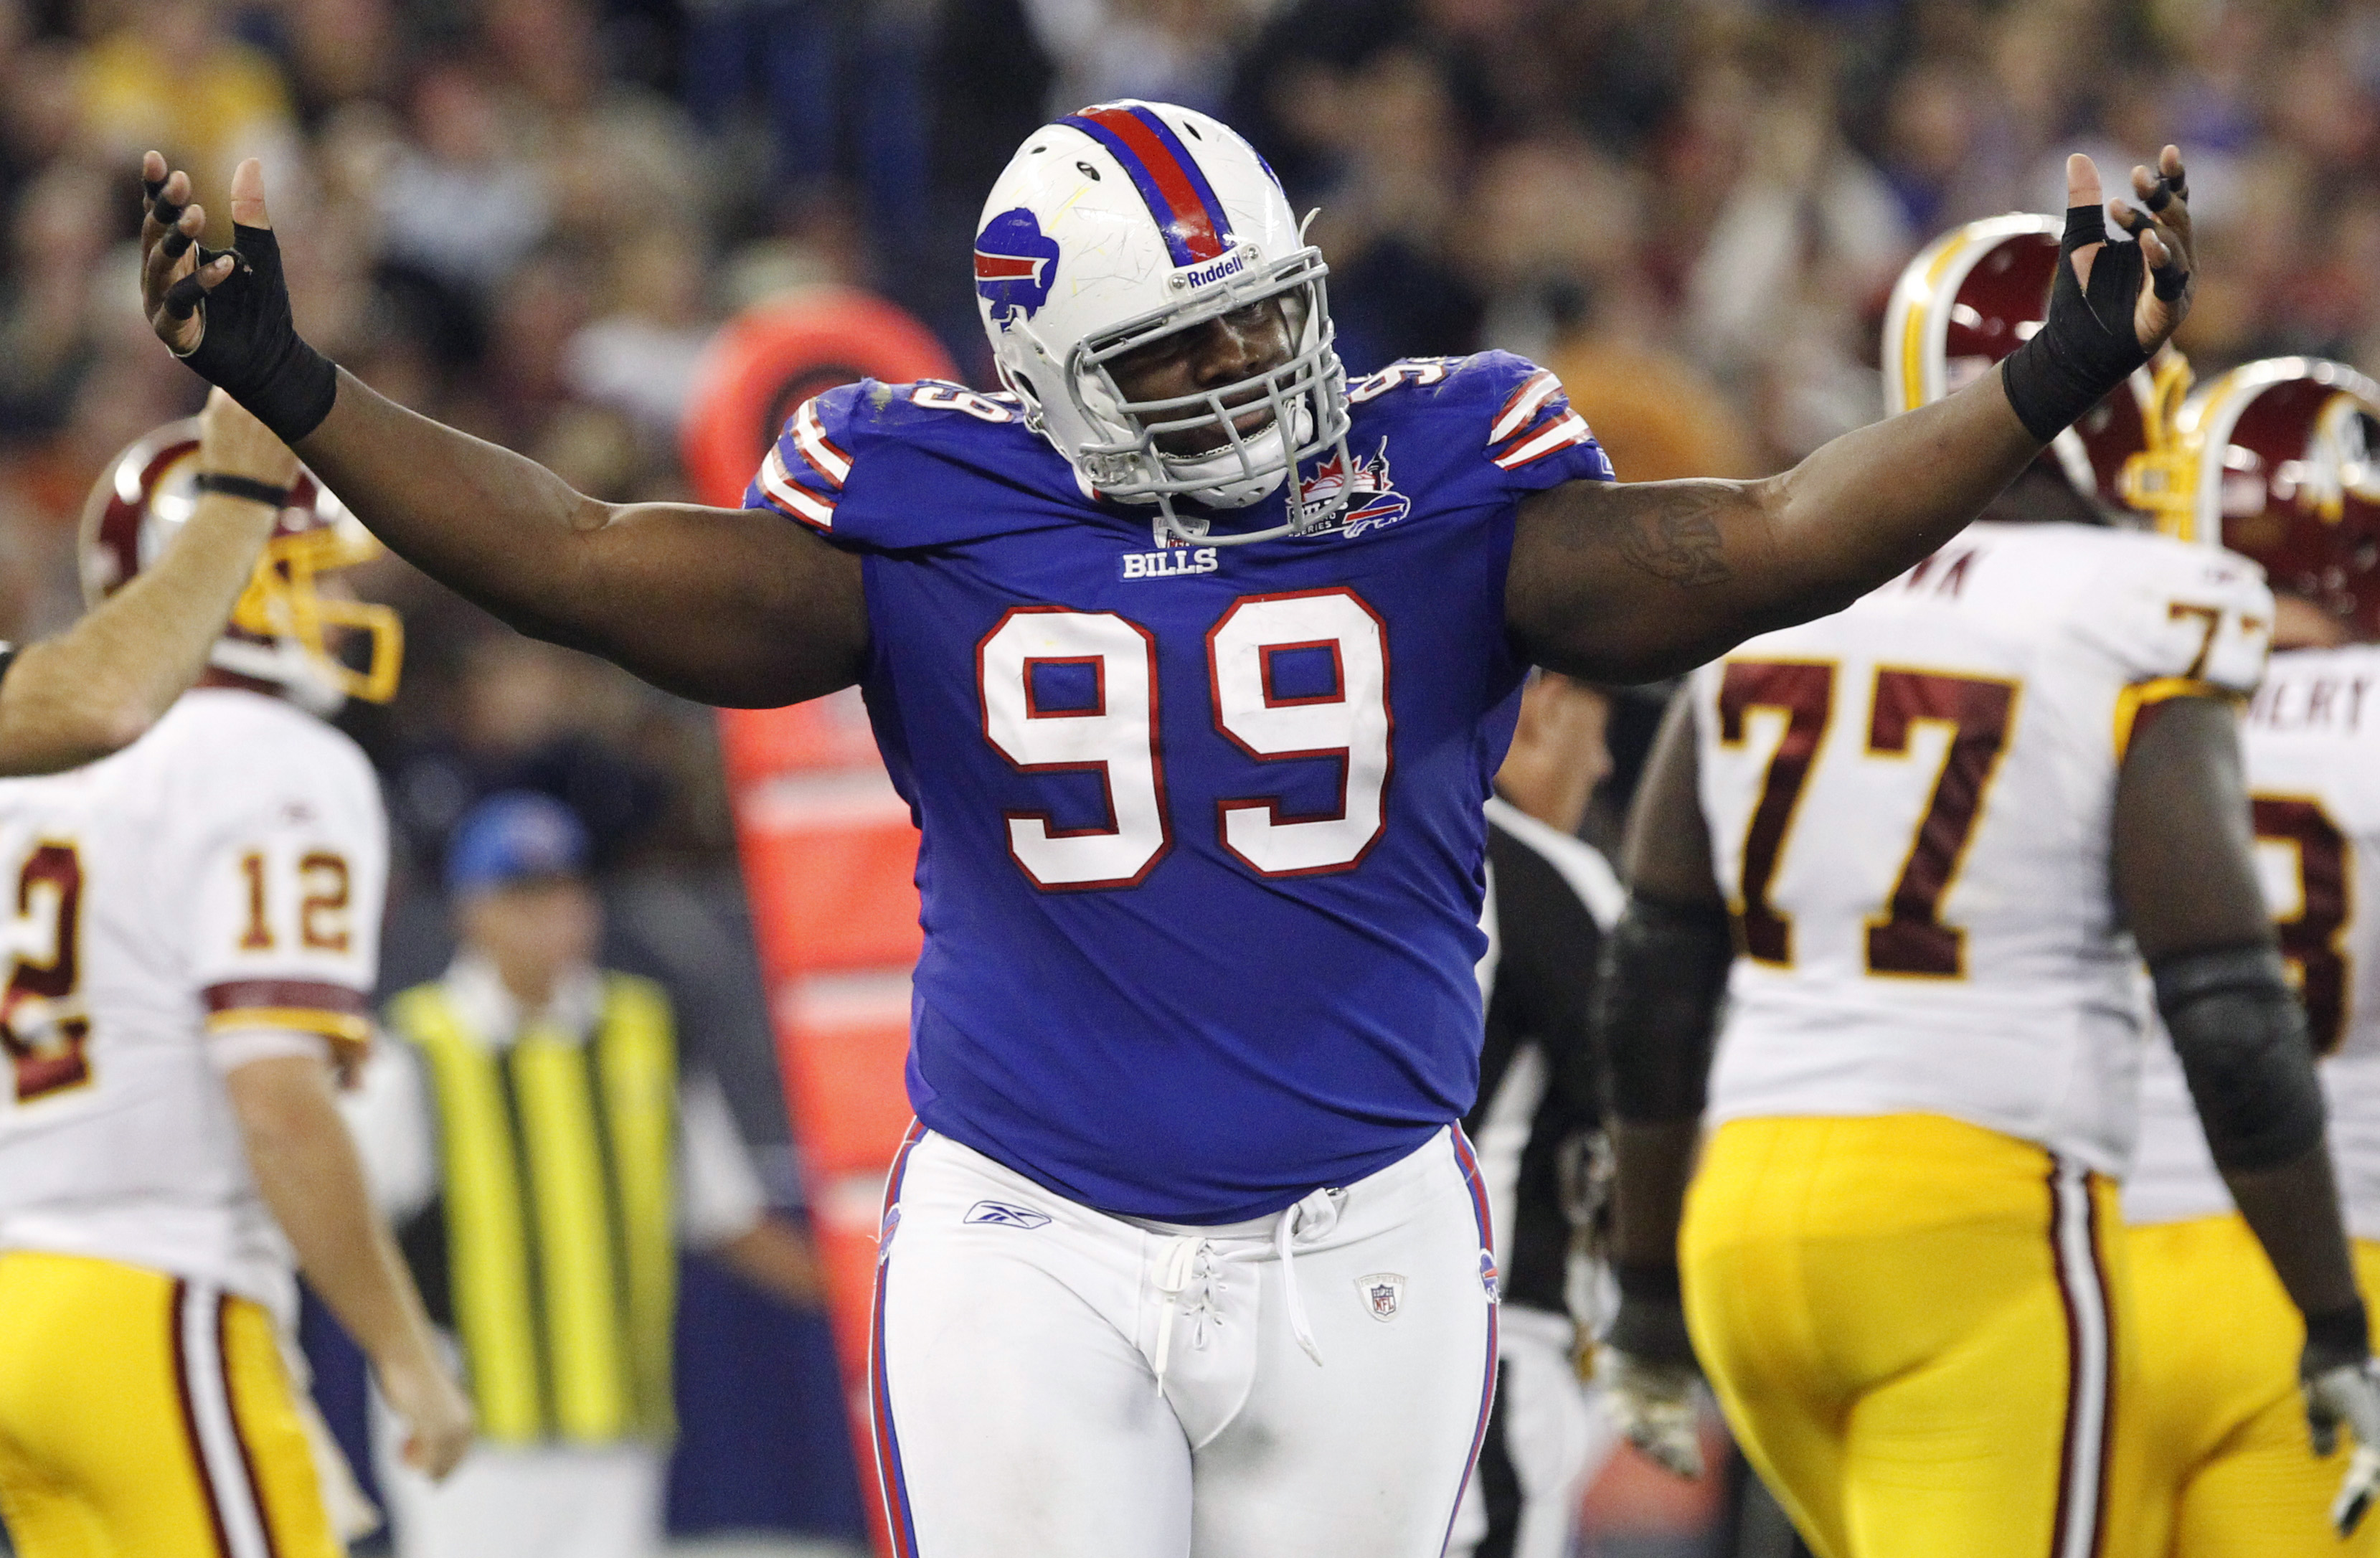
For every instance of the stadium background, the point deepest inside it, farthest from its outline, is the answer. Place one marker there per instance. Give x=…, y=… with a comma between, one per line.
x=527, y=217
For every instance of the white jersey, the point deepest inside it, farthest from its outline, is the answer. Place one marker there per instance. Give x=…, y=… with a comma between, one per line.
x=1910, y=807
x=209, y=896
x=2312, y=740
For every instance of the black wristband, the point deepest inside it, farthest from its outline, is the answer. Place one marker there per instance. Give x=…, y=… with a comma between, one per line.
x=243, y=487
x=2087, y=345
x=2335, y=1338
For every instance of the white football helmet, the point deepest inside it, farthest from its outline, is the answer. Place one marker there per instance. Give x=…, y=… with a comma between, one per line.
x=1120, y=225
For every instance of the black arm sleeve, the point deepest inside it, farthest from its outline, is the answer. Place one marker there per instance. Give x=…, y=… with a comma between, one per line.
x=2241, y=1037
x=1656, y=1006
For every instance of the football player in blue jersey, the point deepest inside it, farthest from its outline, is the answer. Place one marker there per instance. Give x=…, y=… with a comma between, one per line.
x=1194, y=660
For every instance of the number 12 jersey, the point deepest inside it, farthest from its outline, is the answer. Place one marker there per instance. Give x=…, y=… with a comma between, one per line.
x=1911, y=806
x=208, y=897
x=1202, y=824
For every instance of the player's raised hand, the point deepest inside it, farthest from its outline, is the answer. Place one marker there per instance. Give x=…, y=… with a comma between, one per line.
x=226, y=313
x=2348, y=1394
x=170, y=255
x=2113, y=304
x=2161, y=225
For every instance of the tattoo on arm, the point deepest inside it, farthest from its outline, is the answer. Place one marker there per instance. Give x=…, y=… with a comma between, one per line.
x=1676, y=537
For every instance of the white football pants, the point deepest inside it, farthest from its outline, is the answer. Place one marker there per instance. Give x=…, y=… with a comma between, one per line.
x=1051, y=1381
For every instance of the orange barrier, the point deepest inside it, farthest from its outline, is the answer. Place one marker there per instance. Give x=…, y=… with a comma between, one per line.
x=829, y=857
x=829, y=853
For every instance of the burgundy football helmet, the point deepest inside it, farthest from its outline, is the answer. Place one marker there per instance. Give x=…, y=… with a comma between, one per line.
x=1976, y=294
x=2279, y=460
x=278, y=631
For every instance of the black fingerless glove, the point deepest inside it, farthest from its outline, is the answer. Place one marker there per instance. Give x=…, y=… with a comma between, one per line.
x=249, y=346
x=2087, y=345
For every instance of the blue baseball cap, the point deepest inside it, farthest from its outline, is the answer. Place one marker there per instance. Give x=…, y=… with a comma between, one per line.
x=518, y=835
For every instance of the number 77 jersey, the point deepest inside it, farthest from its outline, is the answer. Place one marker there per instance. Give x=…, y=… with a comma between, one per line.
x=1201, y=863
x=1911, y=808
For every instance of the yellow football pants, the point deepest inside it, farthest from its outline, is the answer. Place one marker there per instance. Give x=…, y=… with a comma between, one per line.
x=1916, y=1328
x=143, y=1417
x=2230, y=1471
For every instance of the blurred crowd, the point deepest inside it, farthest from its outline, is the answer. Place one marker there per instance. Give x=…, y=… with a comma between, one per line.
x=526, y=216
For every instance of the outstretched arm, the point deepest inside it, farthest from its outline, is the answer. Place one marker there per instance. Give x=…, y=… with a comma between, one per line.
x=98, y=686
x=726, y=605
x=731, y=607
x=1634, y=581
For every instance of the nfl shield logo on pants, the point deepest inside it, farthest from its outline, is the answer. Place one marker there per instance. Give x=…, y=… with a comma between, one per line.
x=1384, y=1294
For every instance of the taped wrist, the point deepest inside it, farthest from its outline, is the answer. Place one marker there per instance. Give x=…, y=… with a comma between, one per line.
x=2336, y=1339
x=2241, y=1038
x=249, y=346
x=1657, y=1006
x=2087, y=345
x=1650, y=1323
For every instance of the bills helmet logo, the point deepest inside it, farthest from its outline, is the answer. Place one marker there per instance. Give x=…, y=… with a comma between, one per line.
x=884, y=1232
x=1384, y=1294
x=1372, y=502
x=1487, y=1275
x=1015, y=266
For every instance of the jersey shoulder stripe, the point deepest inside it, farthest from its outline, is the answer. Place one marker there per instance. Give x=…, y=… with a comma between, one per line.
x=901, y=442
x=1522, y=419
x=1535, y=420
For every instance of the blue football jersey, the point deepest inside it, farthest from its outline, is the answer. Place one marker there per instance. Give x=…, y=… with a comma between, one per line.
x=1202, y=825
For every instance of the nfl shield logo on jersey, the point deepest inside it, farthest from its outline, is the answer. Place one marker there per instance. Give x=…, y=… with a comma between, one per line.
x=1015, y=264
x=1384, y=1294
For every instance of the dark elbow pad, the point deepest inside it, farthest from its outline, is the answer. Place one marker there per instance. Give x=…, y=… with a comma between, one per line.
x=1657, y=1004
x=2241, y=1037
